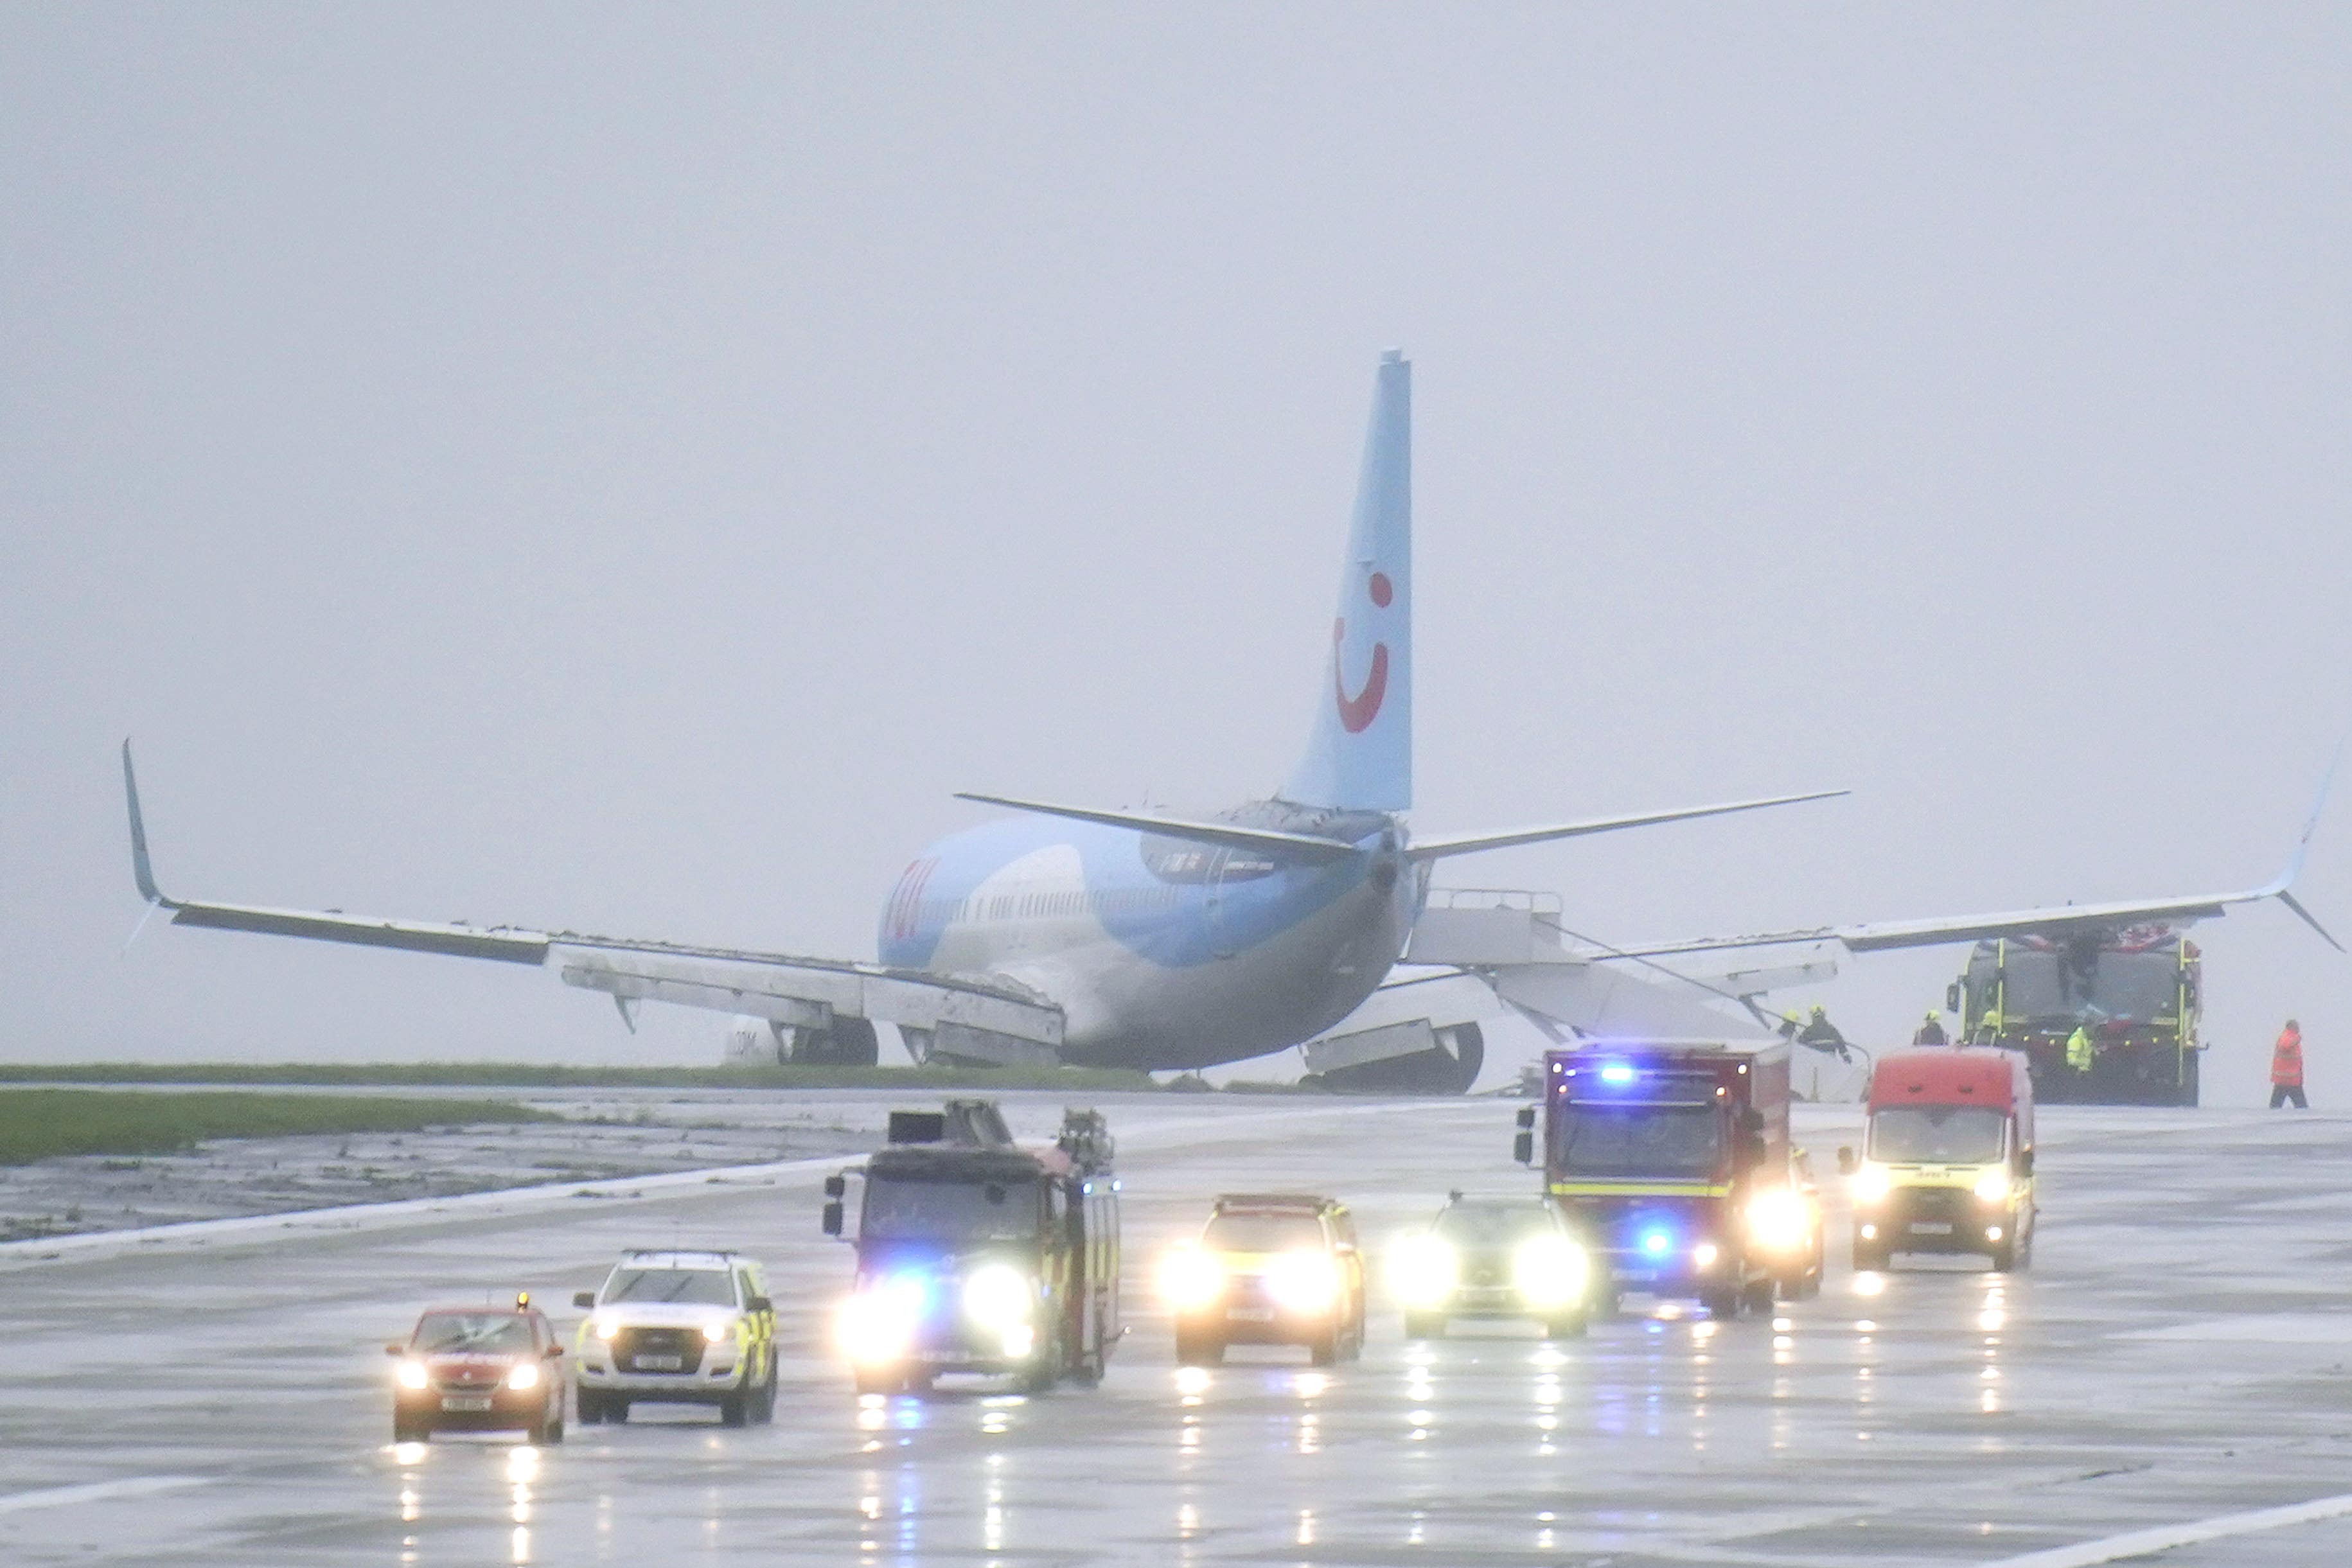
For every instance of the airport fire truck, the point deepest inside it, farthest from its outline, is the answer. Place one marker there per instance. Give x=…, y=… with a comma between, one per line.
x=977, y=1255
x=1673, y=1160
x=2135, y=994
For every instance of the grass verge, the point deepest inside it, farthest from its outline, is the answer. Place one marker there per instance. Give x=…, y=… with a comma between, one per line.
x=41, y=1123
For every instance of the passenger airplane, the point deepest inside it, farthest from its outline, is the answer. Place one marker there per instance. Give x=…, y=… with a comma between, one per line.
x=1135, y=939
x=1147, y=939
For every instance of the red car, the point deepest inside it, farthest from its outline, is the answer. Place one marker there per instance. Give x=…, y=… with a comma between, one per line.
x=478, y=1369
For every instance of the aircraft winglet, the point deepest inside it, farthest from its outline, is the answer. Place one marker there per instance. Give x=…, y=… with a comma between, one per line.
x=142, y=871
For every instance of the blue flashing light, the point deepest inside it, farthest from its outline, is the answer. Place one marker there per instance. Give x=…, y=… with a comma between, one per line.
x=1616, y=1073
x=1657, y=1241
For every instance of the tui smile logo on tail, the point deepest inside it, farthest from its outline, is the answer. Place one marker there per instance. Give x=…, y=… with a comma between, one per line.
x=1357, y=712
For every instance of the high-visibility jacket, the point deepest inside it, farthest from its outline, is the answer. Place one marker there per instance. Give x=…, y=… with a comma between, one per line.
x=2286, y=1060
x=2078, y=1051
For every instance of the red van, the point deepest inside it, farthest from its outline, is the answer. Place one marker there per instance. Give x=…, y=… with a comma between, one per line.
x=1947, y=1160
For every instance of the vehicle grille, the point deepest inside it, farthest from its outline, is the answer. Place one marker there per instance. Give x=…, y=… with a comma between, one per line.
x=1934, y=1203
x=630, y=1345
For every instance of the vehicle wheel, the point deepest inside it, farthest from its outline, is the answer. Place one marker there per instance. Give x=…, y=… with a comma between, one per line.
x=411, y=1431
x=1610, y=1305
x=1355, y=1335
x=1723, y=1305
x=734, y=1408
x=1199, y=1350
x=1569, y=1327
x=870, y=1381
x=2004, y=1258
x=763, y=1403
x=1756, y=1296
x=592, y=1407
x=547, y=1430
x=1869, y=1257
x=1425, y=1325
x=616, y=1411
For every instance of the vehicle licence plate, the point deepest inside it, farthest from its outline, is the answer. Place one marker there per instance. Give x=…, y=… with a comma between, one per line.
x=1931, y=1228
x=1249, y=1314
x=664, y=1362
x=465, y=1402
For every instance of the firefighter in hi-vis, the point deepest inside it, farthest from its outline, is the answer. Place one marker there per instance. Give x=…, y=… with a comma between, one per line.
x=2287, y=1069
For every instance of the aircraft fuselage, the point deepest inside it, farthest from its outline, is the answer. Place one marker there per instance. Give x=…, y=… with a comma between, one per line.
x=1164, y=953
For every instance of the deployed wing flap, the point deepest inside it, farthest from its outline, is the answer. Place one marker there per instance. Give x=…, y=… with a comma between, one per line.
x=807, y=992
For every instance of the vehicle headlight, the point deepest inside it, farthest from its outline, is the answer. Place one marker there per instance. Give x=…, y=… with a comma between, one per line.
x=1993, y=1187
x=1303, y=1282
x=1778, y=1220
x=1551, y=1272
x=411, y=1374
x=877, y=1324
x=1872, y=1183
x=996, y=1296
x=1706, y=1253
x=524, y=1375
x=1190, y=1277
x=715, y=1331
x=1423, y=1270
x=604, y=1325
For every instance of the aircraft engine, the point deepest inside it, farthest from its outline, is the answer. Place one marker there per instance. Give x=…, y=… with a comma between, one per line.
x=1407, y=1059
x=753, y=1041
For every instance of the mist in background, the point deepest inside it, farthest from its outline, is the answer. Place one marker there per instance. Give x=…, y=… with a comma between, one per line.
x=621, y=469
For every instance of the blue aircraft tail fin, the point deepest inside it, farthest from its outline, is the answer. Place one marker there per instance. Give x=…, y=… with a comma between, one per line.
x=1360, y=753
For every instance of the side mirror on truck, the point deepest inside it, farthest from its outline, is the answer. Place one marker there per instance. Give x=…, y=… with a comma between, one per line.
x=584, y=1299
x=1523, y=1148
x=1845, y=1160
x=831, y=1222
x=1952, y=998
x=2025, y=1163
x=836, y=1187
x=1527, y=1119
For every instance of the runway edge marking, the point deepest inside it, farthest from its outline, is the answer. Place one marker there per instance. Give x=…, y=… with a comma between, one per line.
x=2192, y=1533
x=96, y=1491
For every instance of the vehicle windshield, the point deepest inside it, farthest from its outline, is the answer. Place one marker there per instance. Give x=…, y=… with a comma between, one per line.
x=1681, y=1142
x=465, y=1333
x=2045, y=987
x=691, y=1287
x=1483, y=1227
x=1936, y=1134
x=2138, y=987
x=902, y=1210
x=2034, y=986
x=1263, y=1232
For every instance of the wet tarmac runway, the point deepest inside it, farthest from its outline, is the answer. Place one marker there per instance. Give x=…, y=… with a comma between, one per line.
x=2176, y=1356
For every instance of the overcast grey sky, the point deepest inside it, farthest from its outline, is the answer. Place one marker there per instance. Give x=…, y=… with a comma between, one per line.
x=623, y=468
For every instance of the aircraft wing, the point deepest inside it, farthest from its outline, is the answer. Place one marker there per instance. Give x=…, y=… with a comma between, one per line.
x=2048, y=920
x=787, y=989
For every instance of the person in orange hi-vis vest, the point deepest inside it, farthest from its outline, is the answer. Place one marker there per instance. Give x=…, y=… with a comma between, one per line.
x=2287, y=1069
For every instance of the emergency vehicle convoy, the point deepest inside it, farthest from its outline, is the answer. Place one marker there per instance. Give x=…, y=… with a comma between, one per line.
x=1672, y=1158
x=1269, y=1268
x=677, y=1328
x=1946, y=1159
x=478, y=1369
x=2103, y=1017
x=975, y=1255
